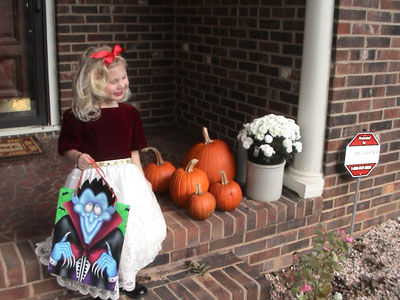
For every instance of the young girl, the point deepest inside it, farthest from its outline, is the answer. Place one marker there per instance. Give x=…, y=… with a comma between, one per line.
x=100, y=127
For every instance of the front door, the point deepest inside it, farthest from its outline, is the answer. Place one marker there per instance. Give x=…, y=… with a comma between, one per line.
x=23, y=83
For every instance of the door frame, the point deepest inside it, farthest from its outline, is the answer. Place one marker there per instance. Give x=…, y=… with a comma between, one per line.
x=50, y=73
x=37, y=27
x=54, y=113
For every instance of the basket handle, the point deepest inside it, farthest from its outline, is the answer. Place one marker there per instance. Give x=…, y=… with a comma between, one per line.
x=103, y=177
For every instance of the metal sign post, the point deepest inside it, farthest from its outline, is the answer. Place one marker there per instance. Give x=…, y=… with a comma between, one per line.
x=353, y=216
x=362, y=155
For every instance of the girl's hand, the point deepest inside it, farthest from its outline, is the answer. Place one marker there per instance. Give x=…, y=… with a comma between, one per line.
x=83, y=161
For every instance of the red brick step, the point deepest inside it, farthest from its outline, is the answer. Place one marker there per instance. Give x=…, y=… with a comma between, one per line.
x=228, y=277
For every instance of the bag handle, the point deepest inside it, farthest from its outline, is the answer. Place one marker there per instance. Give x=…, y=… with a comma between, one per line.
x=103, y=177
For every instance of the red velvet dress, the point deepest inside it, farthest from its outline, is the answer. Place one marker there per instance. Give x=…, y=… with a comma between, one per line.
x=114, y=135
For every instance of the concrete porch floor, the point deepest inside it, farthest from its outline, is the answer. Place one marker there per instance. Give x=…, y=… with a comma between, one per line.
x=237, y=246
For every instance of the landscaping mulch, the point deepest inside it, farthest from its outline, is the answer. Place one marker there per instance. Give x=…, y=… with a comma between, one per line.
x=372, y=271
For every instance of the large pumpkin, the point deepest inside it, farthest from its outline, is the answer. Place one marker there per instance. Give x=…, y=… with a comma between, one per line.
x=183, y=183
x=200, y=206
x=228, y=194
x=213, y=155
x=158, y=173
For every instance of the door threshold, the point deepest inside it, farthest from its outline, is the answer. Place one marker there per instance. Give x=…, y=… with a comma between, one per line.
x=28, y=130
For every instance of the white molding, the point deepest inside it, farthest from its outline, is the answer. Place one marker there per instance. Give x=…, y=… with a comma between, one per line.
x=28, y=130
x=52, y=62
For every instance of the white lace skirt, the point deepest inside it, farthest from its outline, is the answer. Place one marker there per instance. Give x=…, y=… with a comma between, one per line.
x=145, y=231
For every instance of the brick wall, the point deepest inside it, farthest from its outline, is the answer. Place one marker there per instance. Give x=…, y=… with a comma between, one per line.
x=232, y=60
x=237, y=60
x=222, y=63
x=364, y=95
x=144, y=28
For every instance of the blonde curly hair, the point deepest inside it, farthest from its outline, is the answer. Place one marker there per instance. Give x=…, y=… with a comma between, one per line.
x=90, y=82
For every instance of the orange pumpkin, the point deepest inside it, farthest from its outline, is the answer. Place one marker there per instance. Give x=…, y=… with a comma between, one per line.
x=213, y=155
x=228, y=194
x=158, y=173
x=200, y=206
x=183, y=183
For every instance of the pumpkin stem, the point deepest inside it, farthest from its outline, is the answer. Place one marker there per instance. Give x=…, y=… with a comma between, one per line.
x=207, y=139
x=191, y=164
x=159, y=158
x=198, y=190
x=224, y=179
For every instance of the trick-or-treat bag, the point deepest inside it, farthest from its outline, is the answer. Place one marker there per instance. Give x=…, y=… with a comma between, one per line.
x=89, y=233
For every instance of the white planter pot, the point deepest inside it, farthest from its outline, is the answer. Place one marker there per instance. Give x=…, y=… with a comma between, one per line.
x=264, y=182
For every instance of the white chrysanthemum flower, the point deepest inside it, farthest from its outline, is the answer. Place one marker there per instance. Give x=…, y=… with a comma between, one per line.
x=260, y=136
x=248, y=141
x=286, y=133
x=253, y=128
x=287, y=143
x=268, y=139
x=281, y=118
x=259, y=122
x=298, y=146
x=264, y=128
x=267, y=150
x=242, y=133
x=274, y=132
x=243, y=138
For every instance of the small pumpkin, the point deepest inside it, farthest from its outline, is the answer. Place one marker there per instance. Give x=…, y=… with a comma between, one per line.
x=228, y=194
x=201, y=206
x=213, y=155
x=158, y=173
x=183, y=183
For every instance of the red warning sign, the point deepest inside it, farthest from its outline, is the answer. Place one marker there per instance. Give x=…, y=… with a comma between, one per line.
x=362, y=154
x=363, y=139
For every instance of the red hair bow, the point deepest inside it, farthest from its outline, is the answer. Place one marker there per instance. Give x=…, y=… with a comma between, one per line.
x=107, y=55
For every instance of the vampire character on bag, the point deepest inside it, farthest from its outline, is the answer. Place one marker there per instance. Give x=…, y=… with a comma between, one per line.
x=87, y=243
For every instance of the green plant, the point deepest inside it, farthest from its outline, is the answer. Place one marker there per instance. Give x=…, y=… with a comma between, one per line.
x=313, y=272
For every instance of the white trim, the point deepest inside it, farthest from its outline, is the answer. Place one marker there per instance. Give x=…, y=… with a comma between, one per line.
x=52, y=62
x=28, y=130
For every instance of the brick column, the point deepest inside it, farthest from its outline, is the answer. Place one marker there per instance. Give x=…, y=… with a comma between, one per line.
x=305, y=175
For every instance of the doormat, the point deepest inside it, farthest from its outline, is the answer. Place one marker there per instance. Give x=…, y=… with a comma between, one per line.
x=12, y=147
